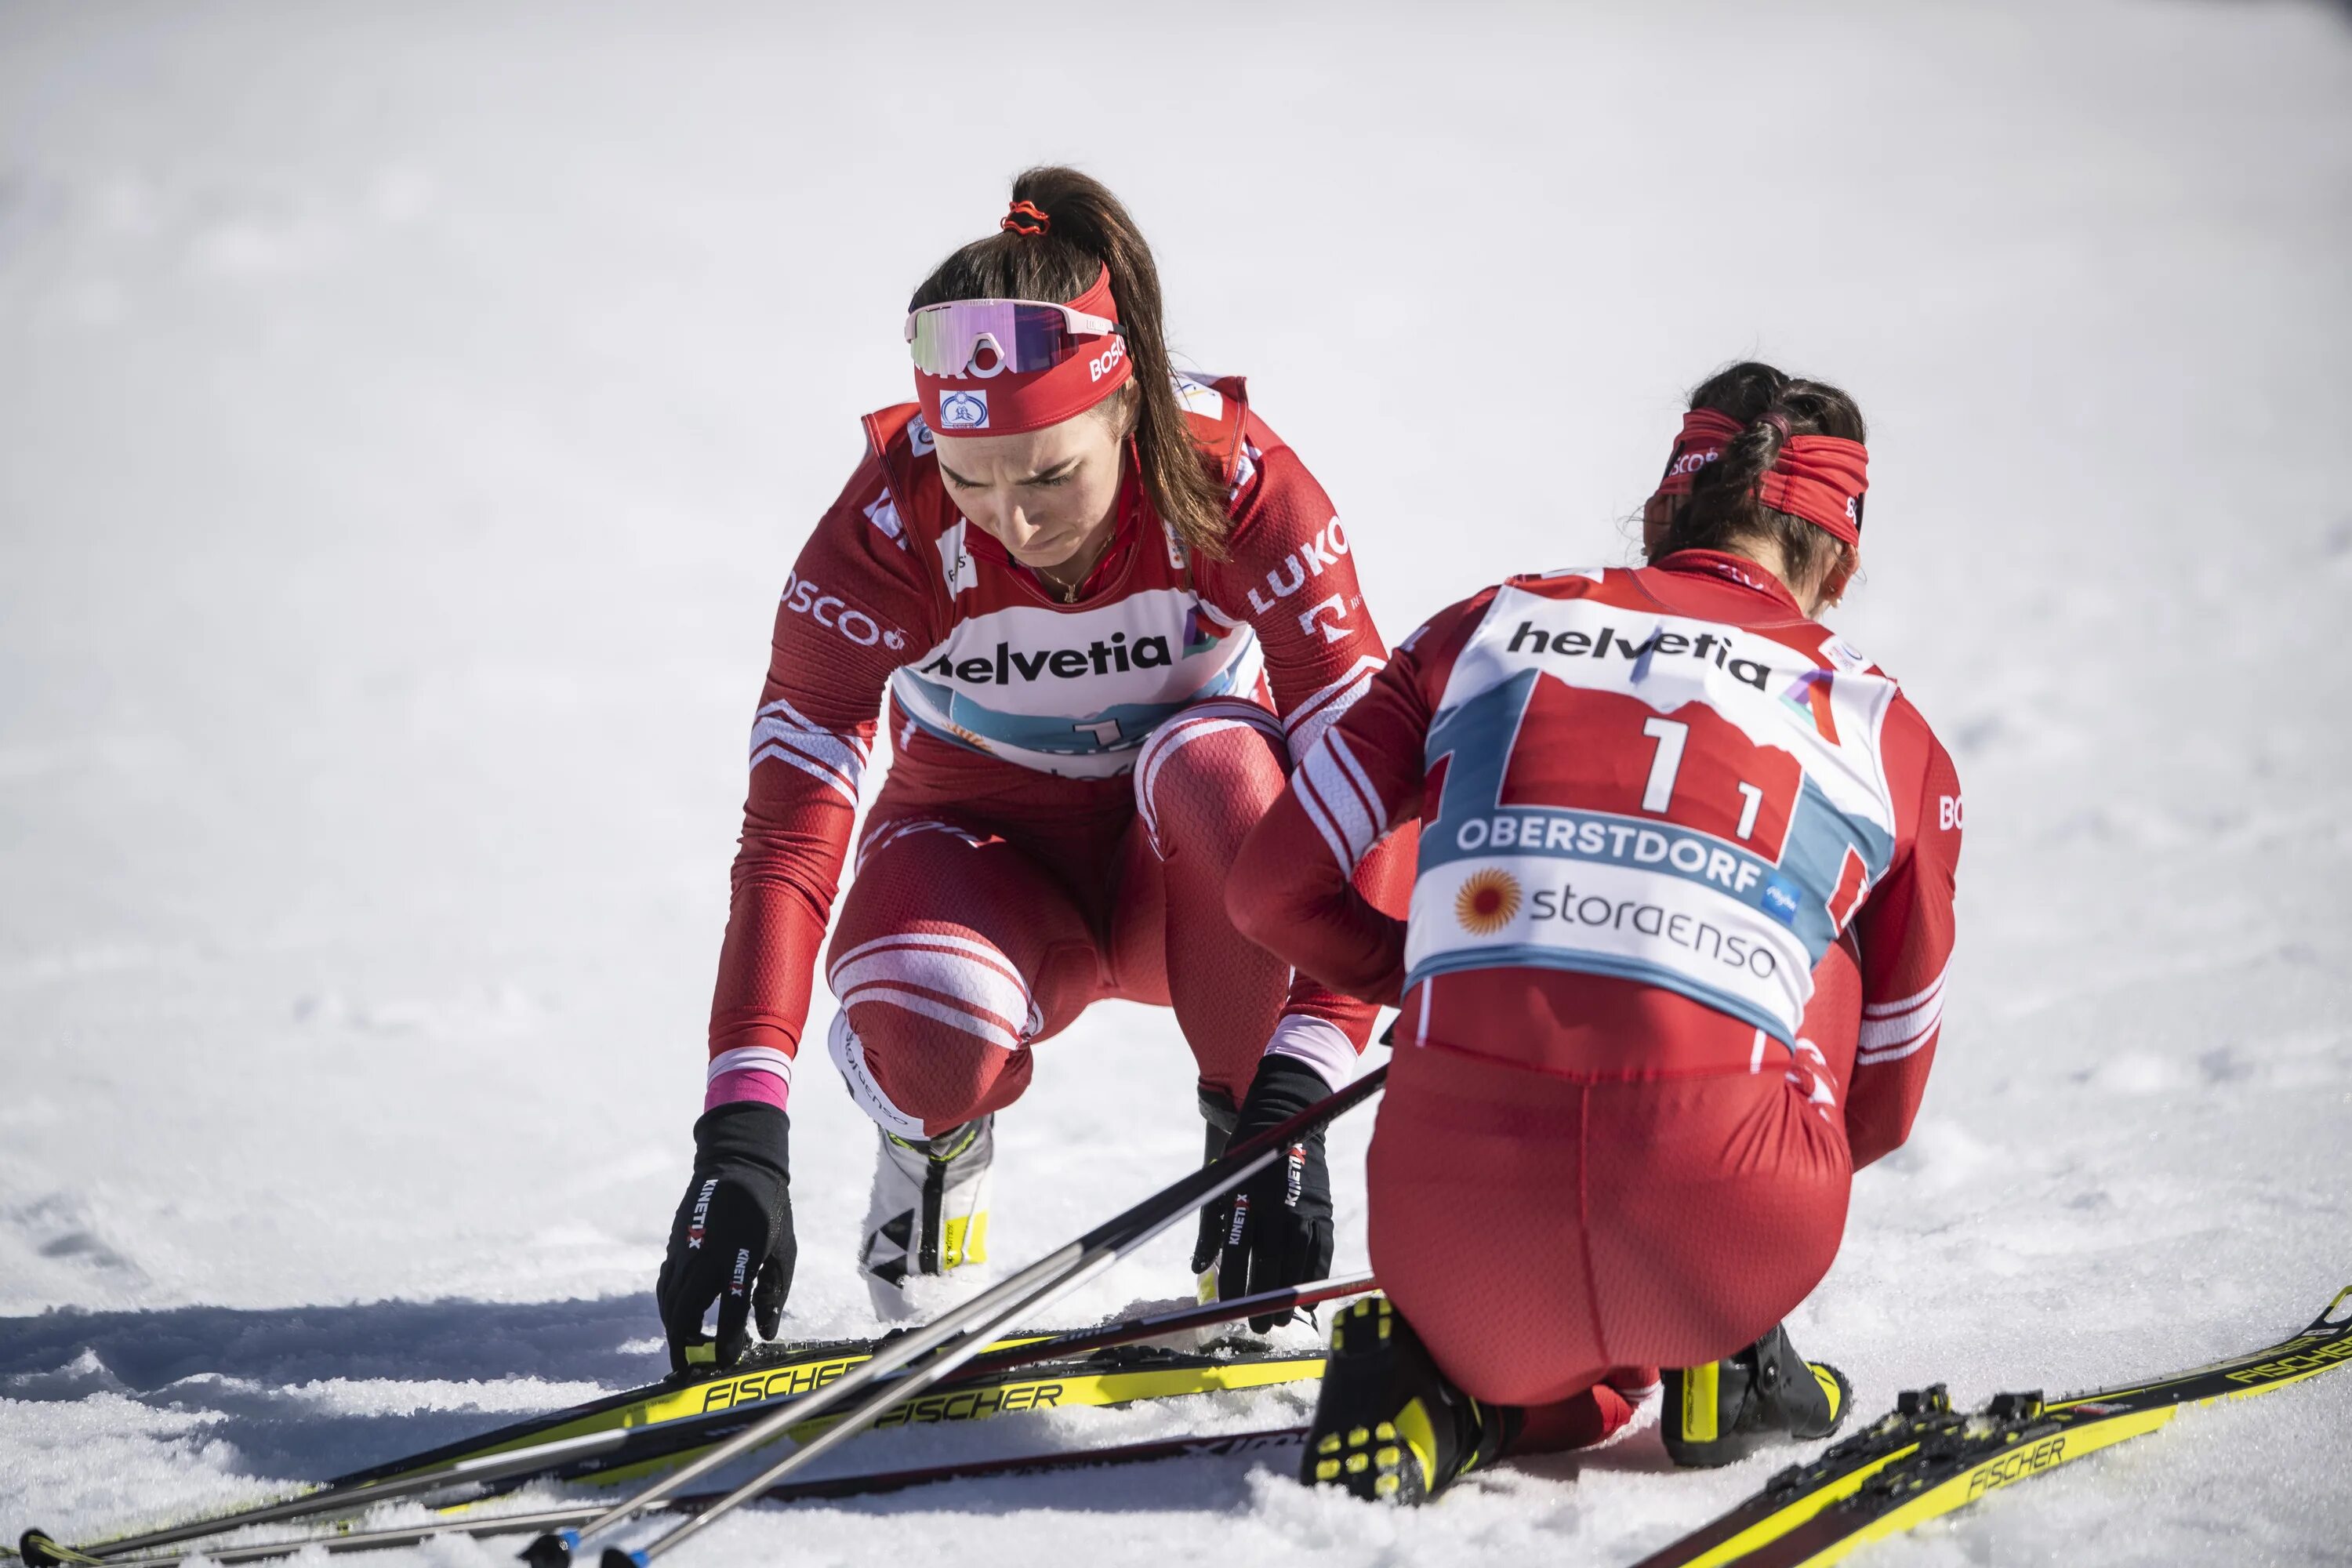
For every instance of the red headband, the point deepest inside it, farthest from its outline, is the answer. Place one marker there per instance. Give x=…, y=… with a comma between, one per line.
x=1705, y=434
x=1820, y=478
x=1008, y=403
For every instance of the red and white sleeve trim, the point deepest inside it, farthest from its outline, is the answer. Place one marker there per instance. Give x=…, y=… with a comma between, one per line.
x=1320, y=1044
x=1307, y=723
x=1341, y=801
x=1894, y=1029
x=747, y=1072
x=783, y=733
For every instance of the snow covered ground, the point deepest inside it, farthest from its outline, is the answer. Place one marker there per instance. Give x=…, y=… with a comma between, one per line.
x=408, y=414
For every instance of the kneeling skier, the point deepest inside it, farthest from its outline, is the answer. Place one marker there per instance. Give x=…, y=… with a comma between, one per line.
x=1674, y=969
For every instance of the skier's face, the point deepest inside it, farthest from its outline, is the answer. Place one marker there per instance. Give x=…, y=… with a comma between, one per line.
x=1047, y=496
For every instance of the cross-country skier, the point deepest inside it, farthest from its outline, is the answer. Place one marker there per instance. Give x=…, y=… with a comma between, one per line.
x=1674, y=967
x=1109, y=606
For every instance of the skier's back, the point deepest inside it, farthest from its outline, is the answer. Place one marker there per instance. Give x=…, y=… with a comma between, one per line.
x=1673, y=967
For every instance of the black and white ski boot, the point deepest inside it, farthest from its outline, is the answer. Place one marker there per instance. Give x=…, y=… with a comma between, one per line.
x=1388, y=1427
x=929, y=1213
x=1727, y=1409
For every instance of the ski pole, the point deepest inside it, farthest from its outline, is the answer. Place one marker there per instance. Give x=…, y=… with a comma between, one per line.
x=870, y=1484
x=1176, y=1320
x=40, y=1551
x=973, y=1322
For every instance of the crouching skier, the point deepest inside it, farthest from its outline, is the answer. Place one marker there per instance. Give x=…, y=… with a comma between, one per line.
x=1674, y=968
x=1109, y=606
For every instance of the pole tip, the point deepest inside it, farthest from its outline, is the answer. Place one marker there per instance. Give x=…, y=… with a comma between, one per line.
x=39, y=1550
x=550, y=1551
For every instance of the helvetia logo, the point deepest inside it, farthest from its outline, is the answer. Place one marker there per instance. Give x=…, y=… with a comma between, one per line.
x=1487, y=901
x=963, y=411
x=1115, y=656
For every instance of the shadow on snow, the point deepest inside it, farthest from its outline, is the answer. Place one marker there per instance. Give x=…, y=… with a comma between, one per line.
x=247, y=1369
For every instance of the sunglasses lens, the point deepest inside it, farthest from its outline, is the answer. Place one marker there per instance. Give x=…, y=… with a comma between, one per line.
x=984, y=338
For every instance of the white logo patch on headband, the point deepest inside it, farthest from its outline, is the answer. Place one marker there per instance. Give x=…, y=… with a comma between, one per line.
x=963, y=411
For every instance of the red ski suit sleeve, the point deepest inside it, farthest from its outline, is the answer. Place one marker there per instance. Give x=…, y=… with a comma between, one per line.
x=1294, y=891
x=855, y=602
x=1905, y=929
x=1291, y=573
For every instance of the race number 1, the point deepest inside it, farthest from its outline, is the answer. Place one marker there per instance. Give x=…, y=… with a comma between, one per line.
x=1671, y=737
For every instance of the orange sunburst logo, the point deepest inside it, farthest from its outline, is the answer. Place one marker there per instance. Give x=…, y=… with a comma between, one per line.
x=1487, y=900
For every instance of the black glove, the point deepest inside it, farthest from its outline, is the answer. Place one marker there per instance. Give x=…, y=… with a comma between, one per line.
x=733, y=1239
x=1218, y=1112
x=1276, y=1228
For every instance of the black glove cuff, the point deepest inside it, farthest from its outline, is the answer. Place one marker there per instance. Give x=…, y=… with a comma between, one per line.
x=1284, y=1087
x=744, y=1132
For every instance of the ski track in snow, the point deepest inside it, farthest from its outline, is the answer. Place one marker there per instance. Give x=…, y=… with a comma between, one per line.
x=411, y=414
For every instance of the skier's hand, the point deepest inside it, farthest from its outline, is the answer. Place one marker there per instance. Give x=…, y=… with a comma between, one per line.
x=1219, y=1113
x=733, y=1239
x=1276, y=1226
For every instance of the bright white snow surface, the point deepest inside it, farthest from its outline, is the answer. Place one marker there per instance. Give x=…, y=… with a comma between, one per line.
x=408, y=416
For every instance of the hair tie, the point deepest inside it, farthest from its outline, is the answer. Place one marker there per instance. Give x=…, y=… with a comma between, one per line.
x=1025, y=218
x=1778, y=422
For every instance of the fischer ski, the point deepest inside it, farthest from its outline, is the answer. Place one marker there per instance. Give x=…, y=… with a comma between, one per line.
x=627, y=1433
x=773, y=1372
x=1925, y=1459
x=1120, y=1375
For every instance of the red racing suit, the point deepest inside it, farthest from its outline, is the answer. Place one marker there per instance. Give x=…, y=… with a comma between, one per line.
x=1070, y=781
x=1675, y=963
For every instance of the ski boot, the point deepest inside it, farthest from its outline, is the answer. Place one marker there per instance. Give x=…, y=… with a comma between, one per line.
x=1727, y=1409
x=1388, y=1427
x=929, y=1213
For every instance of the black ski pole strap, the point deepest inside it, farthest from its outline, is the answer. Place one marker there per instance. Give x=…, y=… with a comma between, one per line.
x=1213, y=1180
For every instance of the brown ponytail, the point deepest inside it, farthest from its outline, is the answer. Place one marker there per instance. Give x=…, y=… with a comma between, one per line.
x=1721, y=512
x=1085, y=230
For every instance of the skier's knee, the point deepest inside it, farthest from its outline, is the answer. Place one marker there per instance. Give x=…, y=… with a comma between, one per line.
x=933, y=1028
x=1207, y=776
x=915, y=1076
